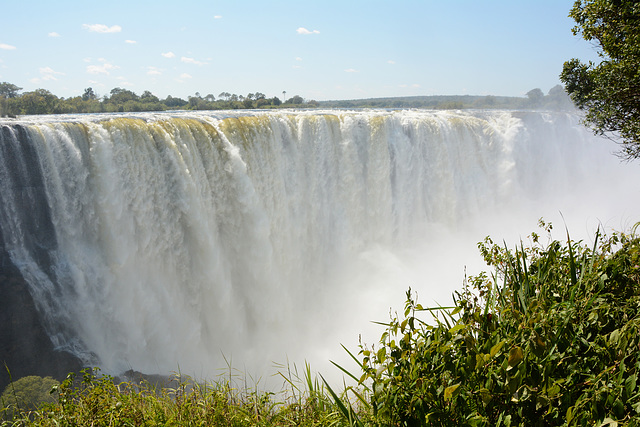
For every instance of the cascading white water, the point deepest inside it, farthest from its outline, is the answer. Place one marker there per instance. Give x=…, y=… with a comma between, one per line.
x=179, y=238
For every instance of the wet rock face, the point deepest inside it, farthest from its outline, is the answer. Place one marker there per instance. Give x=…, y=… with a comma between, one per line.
x=25, y=347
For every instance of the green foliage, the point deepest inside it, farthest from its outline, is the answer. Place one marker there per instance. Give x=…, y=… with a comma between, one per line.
x=28, y=393
x=550, y=338
x=99, y=401
x=41, y=101
x=609, y=91
x=9, y=90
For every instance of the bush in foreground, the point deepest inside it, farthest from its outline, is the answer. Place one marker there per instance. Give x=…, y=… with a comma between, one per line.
x=550, y=338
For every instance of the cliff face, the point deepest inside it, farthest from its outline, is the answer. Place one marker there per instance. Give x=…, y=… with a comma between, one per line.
x=25, y=348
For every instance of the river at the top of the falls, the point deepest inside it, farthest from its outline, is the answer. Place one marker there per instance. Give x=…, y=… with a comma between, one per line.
x=173, y=241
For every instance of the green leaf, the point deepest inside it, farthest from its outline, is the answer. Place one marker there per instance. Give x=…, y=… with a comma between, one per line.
x=450, y=392
x=496, y=348
x=515, y=356
x=630, y=384
x=456, y=328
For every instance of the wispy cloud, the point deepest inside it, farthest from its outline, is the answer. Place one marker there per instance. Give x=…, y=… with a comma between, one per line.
x=49, y=74
x=130, y=41
x=391, y=62
x=191, y=61
x=153, y=71
x=53, y=34
x=217, y=17
x=100, y=28
x=105, y=68
x=168, y=55
x=7, y=46
x=350, y=70
x=303, y=30
x=298, y=58
x=185, y=76
x=124, y=81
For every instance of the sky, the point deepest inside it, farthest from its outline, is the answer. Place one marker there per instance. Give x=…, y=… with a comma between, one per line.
x=322, y=50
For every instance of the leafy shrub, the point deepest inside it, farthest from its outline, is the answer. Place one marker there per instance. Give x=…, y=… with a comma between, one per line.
x=550, y=338
x=28, y=393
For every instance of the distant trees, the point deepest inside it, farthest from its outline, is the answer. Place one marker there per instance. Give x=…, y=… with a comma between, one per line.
x=41, y=101
x=297, y=100
x=535, y=97
x=89, y=94
x=609, y=91
x=8, y=90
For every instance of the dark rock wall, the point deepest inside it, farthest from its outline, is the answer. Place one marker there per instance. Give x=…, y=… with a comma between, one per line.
x=25, y=347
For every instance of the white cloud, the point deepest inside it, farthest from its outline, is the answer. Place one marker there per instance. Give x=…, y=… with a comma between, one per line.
x=168, y=55
x=130, y=41
x=153, y=71
x=185, y=76
x=49, y=74
x=100, y=28
x=53, y=34
x=191, y=61
x=105, y=68
x=35, y=80
x=298, y=59
x=7, y=46
x=303, y=30
x=391, y=62
x=350, y=70
x=217, y=17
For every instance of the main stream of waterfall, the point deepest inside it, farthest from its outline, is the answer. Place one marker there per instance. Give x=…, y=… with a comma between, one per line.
x=186, y=241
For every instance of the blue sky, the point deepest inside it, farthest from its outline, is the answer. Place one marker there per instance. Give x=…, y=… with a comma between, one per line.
x=316, y=49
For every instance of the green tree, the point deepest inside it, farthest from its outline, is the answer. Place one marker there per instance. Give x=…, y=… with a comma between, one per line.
x=29, y=392
x=120, y=96
x=9, y=90
x=148, y=97
x=40, y=101
x=608, y=91
x=89, y=94
x=297, y=99
x=171, y=101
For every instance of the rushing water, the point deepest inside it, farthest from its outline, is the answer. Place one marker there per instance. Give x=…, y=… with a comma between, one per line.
x=171, y=241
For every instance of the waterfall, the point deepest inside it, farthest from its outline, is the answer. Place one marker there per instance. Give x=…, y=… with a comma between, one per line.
x=171, y=241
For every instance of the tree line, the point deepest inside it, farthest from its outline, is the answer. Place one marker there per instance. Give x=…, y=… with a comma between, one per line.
x=556, y=100
x=42, y=101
